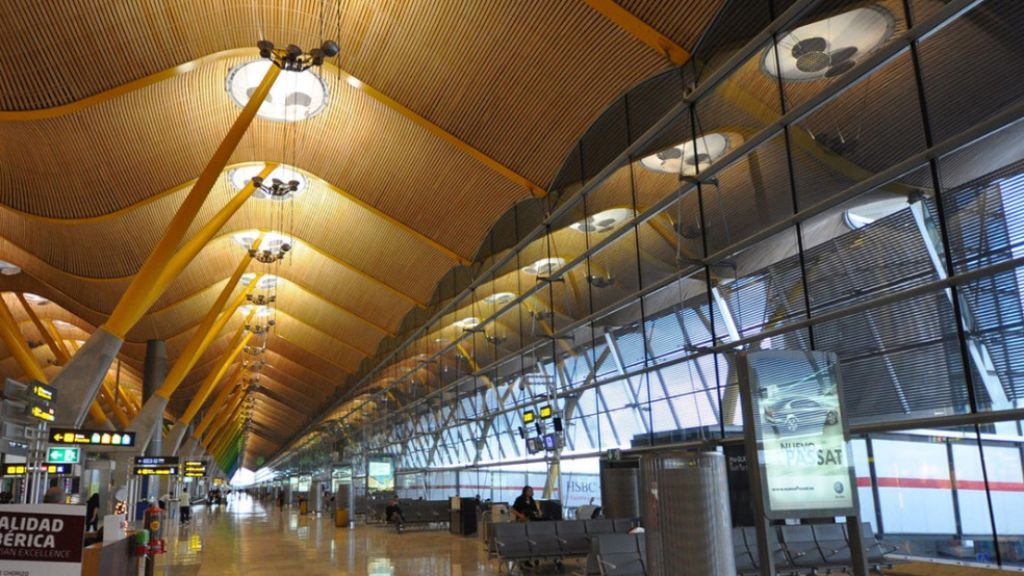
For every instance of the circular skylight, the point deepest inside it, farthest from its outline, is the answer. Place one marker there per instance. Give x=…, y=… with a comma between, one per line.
x=544, y=266
x=295, y=96
x=470, y=322
x=603, y=221
x=240, y=176
x=830, y=47
x=36, y=299
x=260, y=310
x=686, y=158
x=271, y=240
x=8, y=269
x=500, y=298
x=267, y=281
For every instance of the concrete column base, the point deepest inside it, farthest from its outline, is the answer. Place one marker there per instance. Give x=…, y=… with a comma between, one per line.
x=148, y=422
x=80, y=380
x=174, y=437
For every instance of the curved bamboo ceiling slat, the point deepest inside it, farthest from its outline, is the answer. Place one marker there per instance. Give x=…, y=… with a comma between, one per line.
x=460, y=111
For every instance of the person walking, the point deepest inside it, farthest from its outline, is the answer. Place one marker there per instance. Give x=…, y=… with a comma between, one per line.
x=92, y=512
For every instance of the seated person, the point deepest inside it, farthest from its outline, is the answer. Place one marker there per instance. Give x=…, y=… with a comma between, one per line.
x=392, y=512
x=525, y=507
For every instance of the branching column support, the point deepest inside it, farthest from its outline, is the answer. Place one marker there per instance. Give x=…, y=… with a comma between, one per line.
x=81, y=378
x=151, y=416
x=177, y=433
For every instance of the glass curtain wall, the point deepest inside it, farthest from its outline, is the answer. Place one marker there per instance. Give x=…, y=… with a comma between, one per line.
x=852, y=182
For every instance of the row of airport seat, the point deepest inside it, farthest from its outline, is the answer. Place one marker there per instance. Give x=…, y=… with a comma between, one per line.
x=616, y=555
x=514, y=542
x=808, y=548
x=414, y=511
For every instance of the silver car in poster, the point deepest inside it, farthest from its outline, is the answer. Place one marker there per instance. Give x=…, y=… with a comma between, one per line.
x=797, y=414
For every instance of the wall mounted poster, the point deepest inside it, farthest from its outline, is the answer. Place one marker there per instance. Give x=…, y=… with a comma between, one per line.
x=41, y=539
x=381, y=474
x=795, y=400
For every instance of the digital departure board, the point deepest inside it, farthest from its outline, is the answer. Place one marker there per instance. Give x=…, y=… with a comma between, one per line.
x=156, y=466
x=194, y=469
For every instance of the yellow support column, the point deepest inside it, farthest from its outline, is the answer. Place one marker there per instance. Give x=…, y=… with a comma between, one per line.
x=211, y=381
x=115, y=408
x=212, y=324
x=177, y=433
x=15, y=342
x=59, y=355
x=81, y=379
x=223, y=419
x=139, y=296
x=217, y=404
x=640, y=30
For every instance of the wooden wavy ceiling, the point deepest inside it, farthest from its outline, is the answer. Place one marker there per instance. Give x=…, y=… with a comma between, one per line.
x=120, y=107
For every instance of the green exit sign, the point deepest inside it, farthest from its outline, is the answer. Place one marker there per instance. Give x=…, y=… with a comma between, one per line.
x=63, y=455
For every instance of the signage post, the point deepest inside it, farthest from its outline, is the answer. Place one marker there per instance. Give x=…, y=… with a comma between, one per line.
x=797, y=443
x=41, y=539
x=28, y=408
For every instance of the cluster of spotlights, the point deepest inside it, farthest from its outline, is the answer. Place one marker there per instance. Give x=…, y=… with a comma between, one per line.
x=294, y=58
x=270, y=255
x=261, y=299
x=260, y=329
x=277, y=189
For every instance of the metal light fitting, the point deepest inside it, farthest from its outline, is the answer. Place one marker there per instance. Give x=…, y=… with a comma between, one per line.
x=261, y=299
x=293, y=58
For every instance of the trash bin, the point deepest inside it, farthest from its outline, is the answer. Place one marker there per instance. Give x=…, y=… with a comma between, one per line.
x=303, y=506
x=341, y=517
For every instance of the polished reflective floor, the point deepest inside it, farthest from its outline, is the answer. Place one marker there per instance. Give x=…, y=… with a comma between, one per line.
x=246, y=537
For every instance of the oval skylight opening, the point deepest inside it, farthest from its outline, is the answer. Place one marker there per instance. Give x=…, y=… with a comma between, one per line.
x=36, y=299
x=470, y=322
x=240, y=176
x=267, y=281
x=690, y=156
x=602, y=222
x=260, y=310
x=830, y=47
x=500, y=298
x=8, y=269
x=294, y=97
x=544, y=266
x=271, y=240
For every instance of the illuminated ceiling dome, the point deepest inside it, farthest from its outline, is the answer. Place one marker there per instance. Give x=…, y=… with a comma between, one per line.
x=295, y=96
x=830, y=47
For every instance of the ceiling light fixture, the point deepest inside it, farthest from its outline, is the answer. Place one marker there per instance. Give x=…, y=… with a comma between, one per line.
x=261, y=329
x=830, y=47
x=283, y=182
x=261, y=299
x=688, y=158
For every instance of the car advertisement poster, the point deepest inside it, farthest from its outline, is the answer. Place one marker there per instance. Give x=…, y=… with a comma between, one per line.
x=795, y=399
x=41, y=539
